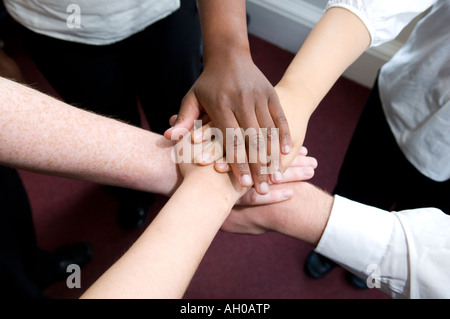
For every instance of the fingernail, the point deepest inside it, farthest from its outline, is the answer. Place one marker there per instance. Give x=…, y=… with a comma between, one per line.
x=198, y=135
x=264, y=187
x=308, y=171
x=286, y=149
x=312, y=162
x=221, y=166
x=246, y=180
x=206, y=157
x=168, y=130
x=286, y=193
x=277, y=176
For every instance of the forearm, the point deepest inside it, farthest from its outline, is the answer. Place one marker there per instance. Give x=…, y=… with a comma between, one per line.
x=163, y=260
x=309, y=222
x=338, y=39
x=41, y=134
x=224, y=28
x=303, y=217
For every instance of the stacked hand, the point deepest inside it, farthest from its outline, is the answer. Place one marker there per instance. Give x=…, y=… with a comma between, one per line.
x=240, y=100
x=210, y=152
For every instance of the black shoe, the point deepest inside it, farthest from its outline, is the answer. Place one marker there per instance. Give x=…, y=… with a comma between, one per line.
x=317, y=266
x=133, y=205
x=79, y=253
x=132, y=215
x=53, y=265
x=355, y=281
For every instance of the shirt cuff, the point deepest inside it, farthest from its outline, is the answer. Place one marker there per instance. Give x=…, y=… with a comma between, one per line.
x=356, y=235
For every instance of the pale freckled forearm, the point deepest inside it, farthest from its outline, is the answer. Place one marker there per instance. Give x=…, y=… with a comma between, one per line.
x=45, y=135
x=174, y=244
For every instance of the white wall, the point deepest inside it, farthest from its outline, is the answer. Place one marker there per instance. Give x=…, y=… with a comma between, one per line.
x=287, y=23
x=317, y=3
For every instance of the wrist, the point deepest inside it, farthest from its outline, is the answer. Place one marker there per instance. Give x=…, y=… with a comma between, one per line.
x=227, y=51
x=306, y=217
x=224, y=28
x=297, y=93
x=298, y=108
x=222, y=187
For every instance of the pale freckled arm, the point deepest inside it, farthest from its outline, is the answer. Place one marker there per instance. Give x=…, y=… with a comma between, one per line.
x=44, y=135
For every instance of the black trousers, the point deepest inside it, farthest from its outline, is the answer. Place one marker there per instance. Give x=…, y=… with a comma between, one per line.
x=156, y=66
x=24, y=268
x=375, y=171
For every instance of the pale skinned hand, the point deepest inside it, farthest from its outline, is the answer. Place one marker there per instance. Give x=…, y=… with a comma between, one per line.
x=301, y=169
x=237, y=95
x=303, y=217
x=251, y=220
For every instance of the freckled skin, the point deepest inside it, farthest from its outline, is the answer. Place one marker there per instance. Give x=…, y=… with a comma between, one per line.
x=45, y=135
x=42, y=134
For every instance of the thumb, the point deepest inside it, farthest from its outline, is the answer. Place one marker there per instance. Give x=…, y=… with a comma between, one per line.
x=190, y=111
x=172, y=120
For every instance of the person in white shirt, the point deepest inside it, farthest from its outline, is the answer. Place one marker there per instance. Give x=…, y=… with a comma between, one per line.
x=407, y=117
x=408, y=251
x=406, y=254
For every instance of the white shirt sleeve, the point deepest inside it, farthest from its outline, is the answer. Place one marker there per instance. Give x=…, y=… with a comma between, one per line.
x=384, y=19
x=407, y=253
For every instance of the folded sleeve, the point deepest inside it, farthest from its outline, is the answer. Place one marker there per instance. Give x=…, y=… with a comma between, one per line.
x=426, y=232
x=409, y=250
x=384, y=19
x=356, y=236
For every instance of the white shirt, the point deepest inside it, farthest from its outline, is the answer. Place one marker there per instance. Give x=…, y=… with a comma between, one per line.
x=407, y=252
x=415, y=84
x=97, y=22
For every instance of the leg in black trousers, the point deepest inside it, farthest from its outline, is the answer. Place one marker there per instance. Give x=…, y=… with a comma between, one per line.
x=18, y=248
x=173, y=64
x=25, y=269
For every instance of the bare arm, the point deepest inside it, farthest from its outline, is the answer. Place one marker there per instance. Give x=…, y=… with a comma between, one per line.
x=358, y=237
x=232, y=90
x=42, y=134
x=163, y=260
x=327, y=52
x=303, y=217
